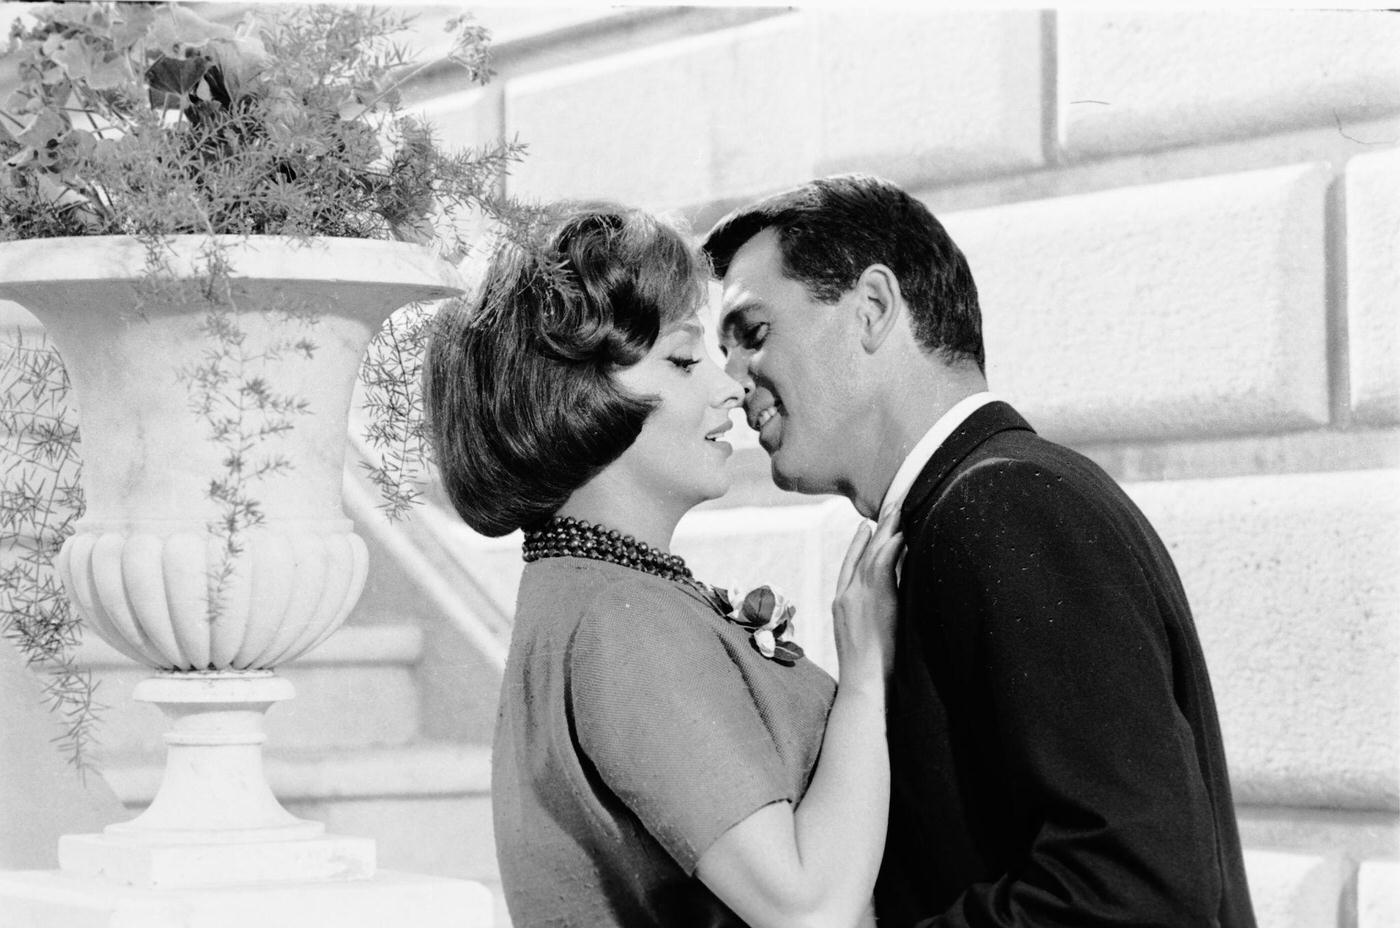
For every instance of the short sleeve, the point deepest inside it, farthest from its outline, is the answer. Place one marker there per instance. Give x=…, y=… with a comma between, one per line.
x=665, y=716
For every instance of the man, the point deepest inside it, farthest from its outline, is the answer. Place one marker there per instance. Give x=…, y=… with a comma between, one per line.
x=1055, y=754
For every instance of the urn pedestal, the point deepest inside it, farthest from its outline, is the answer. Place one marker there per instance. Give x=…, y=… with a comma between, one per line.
x=214, y=549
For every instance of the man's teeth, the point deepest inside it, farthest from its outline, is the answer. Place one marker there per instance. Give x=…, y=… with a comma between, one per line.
x=764, y=416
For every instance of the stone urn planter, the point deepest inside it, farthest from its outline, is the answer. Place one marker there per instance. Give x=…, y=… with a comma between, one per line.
x=150, y=568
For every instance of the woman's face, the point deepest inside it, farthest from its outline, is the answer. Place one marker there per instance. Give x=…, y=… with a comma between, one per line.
x=679, y=457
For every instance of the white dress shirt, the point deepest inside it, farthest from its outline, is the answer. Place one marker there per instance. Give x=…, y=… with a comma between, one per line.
x=924, y=448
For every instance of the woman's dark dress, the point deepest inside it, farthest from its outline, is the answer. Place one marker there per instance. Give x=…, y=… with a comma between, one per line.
x=636, y=726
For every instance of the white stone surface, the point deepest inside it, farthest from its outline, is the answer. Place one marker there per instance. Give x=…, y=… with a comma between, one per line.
x=726, y=114
x=1294, y=890
x=1378, y=894
x=1190, y=308
x=917, y=96
x=130, y=861
x=43, y=899
x=467, y=119
x=14, y=316
x=443, y=835
x=506, y=23
x=410, y=772
x=1373, y=285
x=40, y=796
x=1295, y=584
x=1133, y=80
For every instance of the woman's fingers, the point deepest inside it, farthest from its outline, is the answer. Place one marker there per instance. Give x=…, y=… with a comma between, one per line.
x=887, y=536
x=890, y=550
x=887, y=526
x=859, y=543
x=882, y=551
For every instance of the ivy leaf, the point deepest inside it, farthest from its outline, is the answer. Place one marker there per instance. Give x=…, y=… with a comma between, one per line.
x=131, y=27
x=111, y=72
x=177, y=27
x=173, y=80
x=21, y=158
x=76, y=58
x=84, y=62
x=40, y=129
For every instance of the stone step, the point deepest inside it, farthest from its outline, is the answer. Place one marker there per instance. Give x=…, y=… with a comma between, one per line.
x=427, y=804
x=357, y=689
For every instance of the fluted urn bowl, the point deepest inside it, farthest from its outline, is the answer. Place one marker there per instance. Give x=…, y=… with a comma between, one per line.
x=149, y=567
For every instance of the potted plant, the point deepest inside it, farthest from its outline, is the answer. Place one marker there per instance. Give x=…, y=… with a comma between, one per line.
x=212, y=222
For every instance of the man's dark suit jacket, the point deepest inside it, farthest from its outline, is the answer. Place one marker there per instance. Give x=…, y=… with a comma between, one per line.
x=1055, y=753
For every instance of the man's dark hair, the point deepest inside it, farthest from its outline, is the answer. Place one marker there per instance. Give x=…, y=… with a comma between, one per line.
x=830, y=230
x=519, y=391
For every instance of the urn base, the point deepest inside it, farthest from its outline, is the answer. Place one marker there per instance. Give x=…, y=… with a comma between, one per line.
x=53, y=899
x=131, y=861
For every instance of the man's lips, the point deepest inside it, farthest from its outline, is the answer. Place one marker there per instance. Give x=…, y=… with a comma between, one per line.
x=762, y=418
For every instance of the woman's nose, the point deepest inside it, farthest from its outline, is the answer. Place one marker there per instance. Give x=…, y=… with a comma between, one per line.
x=737, y=369
x=731, y=392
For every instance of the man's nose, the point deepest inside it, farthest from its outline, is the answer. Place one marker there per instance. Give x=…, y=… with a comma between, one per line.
x=737, y=367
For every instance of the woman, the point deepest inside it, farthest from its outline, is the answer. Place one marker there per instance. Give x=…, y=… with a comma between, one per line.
x=651, y=765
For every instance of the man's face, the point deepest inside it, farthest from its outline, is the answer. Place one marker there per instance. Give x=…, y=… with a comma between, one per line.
x=794, y=356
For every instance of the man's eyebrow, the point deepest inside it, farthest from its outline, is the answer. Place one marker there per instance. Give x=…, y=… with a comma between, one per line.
x=728, y=318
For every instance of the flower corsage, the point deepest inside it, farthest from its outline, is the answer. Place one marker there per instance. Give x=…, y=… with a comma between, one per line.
x=768, y=617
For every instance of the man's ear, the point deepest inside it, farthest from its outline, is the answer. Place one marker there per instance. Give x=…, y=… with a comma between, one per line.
x=879, y=305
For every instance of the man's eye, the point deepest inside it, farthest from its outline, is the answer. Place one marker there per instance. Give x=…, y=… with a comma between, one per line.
x=752, y=336
x=684, y=363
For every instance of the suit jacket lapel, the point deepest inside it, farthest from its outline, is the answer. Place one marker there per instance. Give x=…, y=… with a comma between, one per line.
x=981, y=425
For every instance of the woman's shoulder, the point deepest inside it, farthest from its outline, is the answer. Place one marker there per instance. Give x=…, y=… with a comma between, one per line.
x=632, y=602
x=602, y=595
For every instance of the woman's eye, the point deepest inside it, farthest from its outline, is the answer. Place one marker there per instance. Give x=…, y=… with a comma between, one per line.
x=684, y=363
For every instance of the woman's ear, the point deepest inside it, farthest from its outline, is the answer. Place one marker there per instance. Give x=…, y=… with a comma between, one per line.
x=879, y=305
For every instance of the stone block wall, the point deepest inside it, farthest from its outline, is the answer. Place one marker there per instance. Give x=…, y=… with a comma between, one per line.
x=1186, y=230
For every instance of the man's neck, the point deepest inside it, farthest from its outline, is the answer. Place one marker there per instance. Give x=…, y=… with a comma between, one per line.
x=911, y=408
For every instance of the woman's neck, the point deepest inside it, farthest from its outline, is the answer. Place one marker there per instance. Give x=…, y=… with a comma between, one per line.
x=642, y=519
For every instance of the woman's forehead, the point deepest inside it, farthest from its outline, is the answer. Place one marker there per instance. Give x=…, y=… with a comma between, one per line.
x=689, y=326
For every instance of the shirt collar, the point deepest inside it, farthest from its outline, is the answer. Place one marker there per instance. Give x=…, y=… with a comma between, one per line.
x=925, y=447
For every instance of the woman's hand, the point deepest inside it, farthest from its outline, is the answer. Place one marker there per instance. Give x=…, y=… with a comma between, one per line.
x=864, y=609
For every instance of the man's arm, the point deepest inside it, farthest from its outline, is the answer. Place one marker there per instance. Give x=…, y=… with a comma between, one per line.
x=1063, y=617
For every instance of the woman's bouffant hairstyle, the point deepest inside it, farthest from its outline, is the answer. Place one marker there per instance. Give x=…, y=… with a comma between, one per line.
x=522, y=408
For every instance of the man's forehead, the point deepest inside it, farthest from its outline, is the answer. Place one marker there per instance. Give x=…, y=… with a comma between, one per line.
x=735, y=303
x=760, y=256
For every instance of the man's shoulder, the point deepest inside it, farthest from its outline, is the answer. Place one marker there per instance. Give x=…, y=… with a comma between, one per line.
x=1017, y=475
x=1023, y=456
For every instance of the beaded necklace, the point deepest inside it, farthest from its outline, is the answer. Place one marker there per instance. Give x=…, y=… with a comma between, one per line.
x=766, y=616
x=568, y=537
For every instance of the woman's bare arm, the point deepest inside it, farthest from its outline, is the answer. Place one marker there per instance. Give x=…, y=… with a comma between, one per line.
x=816, y=865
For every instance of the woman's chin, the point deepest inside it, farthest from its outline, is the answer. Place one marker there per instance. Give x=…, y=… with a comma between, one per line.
x=715, y=487
x=721, y=485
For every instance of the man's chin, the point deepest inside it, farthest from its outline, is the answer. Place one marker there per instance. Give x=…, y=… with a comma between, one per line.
x=788, y=478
